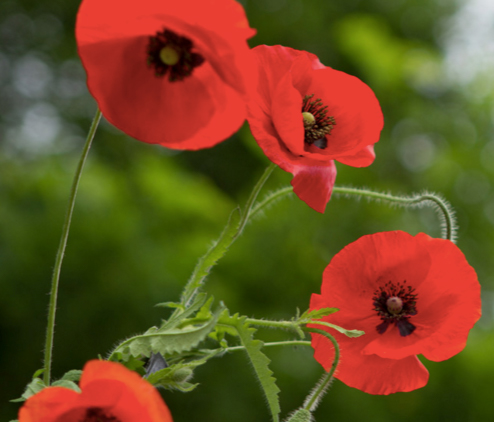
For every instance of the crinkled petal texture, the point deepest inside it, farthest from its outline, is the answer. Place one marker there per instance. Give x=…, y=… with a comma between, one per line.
x=285, y=77
x=197, y=112
x=107, y=386
x=447, y=304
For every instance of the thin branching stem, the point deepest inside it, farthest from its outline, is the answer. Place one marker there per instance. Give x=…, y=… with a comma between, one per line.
x=50, y=327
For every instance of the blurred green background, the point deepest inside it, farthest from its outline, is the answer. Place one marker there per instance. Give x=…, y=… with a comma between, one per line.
x=145, y=214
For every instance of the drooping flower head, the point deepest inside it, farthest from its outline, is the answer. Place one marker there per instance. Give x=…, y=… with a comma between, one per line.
x=109, y=393
x=167, y=72
x=410, y=295
x=305, y=115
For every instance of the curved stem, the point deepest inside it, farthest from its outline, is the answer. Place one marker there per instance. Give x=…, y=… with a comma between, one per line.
x=50, y=328
x=312, y=400
x=439, y=204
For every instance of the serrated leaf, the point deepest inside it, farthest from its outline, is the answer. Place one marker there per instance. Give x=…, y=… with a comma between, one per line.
x=259, y=361
x=348, y=333
x=301, y=415
x=67, y=384
x=73, y=375
x=168, y=340
x=208, y=261
x=35, y=386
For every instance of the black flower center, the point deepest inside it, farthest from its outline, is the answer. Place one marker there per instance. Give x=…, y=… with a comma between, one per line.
x=172, y=54
x=96, y=414
x=395, y=304
x=316, y=124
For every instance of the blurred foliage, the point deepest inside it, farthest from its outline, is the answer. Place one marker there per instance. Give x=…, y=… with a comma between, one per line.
x=145, y=214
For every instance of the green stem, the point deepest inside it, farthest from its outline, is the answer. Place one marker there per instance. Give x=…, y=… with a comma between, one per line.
x=271, y=324
x=271, y=344
x=231, y=232
x=50, y=328
x=440, y=205
x=252, y=198
x=313, y=399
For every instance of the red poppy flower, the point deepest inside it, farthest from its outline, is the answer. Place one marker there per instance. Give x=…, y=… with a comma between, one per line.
x=167, y=72
x=304, y=115
x=110, y=393
x=411, y=295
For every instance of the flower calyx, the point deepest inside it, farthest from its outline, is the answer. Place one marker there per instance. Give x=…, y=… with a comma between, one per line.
x=172, y=54
x=316, y=123
x=395, y=304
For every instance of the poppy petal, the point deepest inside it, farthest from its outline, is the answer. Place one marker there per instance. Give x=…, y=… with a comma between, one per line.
x=48, y=405
x=314, y=185
x=140, y=401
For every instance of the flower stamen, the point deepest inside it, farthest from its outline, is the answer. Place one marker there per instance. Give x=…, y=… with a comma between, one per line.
x=316, y=124
x=96, y=414
x=172, y=53
x=395, y=304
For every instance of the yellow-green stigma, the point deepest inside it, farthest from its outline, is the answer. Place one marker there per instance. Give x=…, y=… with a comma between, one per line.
x=309, y=120
x=169, y=56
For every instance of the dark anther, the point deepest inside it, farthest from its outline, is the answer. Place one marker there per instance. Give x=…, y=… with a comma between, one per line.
x=316, y=124
x=395, y=304
x=96, y=414
x=172, y=54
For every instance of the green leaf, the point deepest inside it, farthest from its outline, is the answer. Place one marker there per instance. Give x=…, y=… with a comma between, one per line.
x=301, y=415
x=348, y=333
x=259, y=361
x=166, y=340
x=317, y=314
x=38, y=373
x=35, y=386
x=208, y=261
x=73, y=375
x=67, y=384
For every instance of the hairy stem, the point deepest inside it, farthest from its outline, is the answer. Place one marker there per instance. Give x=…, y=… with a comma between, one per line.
x=440, y=205
x=50, y=327
x=315, y=396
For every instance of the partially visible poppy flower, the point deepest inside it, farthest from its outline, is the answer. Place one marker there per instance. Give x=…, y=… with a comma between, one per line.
x=167, y=72
x=304, y=115
x=411, y=295
x=109, y=393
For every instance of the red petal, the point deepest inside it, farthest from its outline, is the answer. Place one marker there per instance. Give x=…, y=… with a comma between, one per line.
x=314, y=185
x=48, y=405
x=449, y=302
x=363, y=158
x=139, y=400
x=369, y=373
